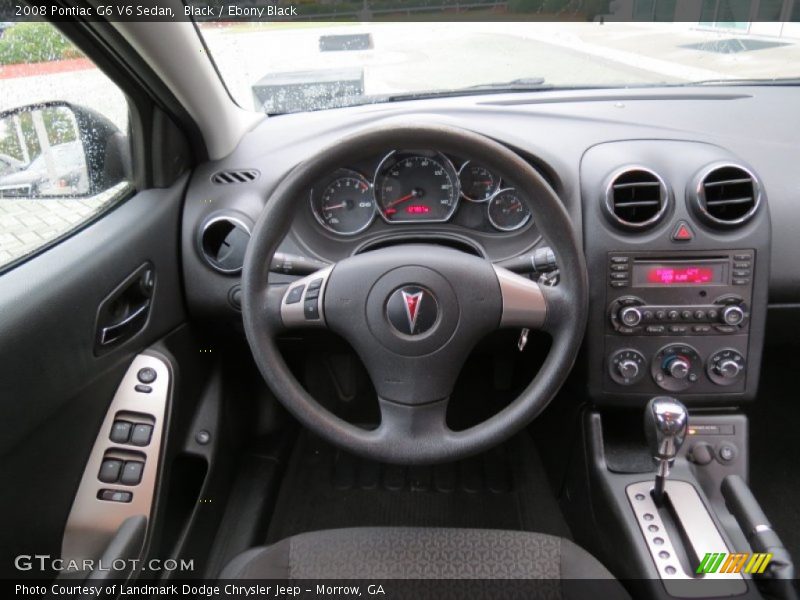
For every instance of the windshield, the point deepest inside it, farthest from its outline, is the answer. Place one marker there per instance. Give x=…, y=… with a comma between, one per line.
x=300, y=66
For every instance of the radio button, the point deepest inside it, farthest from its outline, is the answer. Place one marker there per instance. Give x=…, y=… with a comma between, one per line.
x=686, y=315
x=647, y=315
x=661, y=315
x=725, y=328
x=656, y=329
x=619, y=259
x=699, y=315
x=619, y=284
x=712, y=314
x=673, y=315
x=741, y=281
x=741, y=272
x=678, y=328
x=619, y=276
x=741, y=265
x=732, y=315
x=701, y=328
x=630, y=316
x=742, y=257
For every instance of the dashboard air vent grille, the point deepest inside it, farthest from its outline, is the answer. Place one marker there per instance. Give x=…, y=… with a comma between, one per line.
x=728, y=195
x=637, y=198
x=234, y=176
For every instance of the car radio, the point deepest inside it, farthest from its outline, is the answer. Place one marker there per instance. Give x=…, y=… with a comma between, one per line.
x=679, y=322
x=702, y=295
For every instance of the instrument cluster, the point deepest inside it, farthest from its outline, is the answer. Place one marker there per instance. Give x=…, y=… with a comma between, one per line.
x=417, y=187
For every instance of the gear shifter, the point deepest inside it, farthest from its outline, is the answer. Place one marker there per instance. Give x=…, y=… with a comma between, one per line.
x=665, y=424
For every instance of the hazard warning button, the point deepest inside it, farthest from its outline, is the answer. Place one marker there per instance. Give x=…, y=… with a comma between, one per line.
x=682, y=232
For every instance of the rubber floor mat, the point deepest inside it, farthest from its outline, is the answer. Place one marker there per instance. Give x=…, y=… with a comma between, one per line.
x=326, y=488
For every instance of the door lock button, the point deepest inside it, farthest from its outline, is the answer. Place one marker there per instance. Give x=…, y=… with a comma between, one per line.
x=115, y=495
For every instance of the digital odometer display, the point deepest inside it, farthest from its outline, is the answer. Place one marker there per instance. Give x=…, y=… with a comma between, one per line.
x=679, y=273
x=412, y=187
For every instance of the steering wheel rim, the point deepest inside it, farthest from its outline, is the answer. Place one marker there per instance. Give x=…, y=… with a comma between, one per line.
x=419, y=435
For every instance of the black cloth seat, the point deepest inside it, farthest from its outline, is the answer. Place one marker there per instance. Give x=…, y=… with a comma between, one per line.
x=427, y=553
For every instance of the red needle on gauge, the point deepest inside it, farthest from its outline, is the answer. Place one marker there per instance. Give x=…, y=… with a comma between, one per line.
x=337, y=206
x=402, y=199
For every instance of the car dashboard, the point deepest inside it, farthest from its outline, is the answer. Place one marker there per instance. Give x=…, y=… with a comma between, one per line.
x=678, y=196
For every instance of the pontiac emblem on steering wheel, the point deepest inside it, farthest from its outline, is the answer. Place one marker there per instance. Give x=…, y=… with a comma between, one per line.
x=412, y=310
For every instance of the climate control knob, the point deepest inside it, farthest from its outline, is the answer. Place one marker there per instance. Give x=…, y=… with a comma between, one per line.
x=626, y=366
x=732, y=315
x=726, y=367
x=630, y=316
x=676, y=367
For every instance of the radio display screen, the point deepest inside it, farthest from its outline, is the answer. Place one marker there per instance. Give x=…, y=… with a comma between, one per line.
x=657, y=273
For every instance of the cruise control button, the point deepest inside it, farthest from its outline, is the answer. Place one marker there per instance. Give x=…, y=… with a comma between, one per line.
x=146, y=375
x=295, y=294
x=141, y=434
x=143, y=389
x=311, y=309
x=312, y=294
x=315, y=284
x=109, y=470
x=120, y=432
x=132, y=472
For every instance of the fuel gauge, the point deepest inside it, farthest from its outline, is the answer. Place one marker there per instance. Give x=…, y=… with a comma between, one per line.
x=477, y=182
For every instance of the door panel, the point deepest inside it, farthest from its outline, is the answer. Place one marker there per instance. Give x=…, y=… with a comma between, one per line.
x=54, y=389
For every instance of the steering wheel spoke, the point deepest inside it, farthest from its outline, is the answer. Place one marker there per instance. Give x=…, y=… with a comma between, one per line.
x=407, y=427
x=302, y=304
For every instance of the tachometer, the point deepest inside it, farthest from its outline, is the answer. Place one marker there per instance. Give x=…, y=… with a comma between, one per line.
x=477, y=182
x=416, y=187
x=507, y=210
x=344, y=204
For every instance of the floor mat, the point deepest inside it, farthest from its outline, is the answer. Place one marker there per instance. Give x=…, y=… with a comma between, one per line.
x=326, y=488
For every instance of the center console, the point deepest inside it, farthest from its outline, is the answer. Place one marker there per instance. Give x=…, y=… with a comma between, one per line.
x=677, y=237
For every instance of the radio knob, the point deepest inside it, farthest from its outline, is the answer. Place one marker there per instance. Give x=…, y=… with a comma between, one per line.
x=678, y=368
x=732, y=315
x=630, y=316
x=729, y=369
x=628, y=369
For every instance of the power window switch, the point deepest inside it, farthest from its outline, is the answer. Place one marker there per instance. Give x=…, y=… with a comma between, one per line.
x=132, y=472
x=120, y=432
x=109, y=470
x=141, y=434
x=115, y=495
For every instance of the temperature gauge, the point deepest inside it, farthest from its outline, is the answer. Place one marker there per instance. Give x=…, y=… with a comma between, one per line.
x=477, y=182
x=508, y=211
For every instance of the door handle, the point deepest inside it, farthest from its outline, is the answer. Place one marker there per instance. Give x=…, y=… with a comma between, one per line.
x=112, y=333
x=124, y=312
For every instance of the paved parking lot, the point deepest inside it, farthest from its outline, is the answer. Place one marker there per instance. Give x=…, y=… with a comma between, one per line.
x=27, y=224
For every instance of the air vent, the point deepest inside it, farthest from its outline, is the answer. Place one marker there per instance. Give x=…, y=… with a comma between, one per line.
x=235, y=176
x=223, y=242
x=727, y=195
x=636, y=198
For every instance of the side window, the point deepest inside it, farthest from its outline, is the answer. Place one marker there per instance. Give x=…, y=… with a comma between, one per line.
x=64, y=148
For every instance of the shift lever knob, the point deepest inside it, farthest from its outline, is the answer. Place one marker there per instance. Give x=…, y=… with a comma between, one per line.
x=665, y=424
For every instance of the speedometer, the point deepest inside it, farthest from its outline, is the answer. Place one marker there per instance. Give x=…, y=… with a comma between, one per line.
x=416, y=187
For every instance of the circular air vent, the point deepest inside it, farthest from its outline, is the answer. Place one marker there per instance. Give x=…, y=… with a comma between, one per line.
x=223, y=242
x=636, y=198
x=726, y=195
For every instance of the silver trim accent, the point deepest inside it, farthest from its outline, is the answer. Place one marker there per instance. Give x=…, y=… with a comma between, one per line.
x=209, y=223
x=293, y=315
x=761, y=527
x=699, y=196
x=447, y=163
x=699, y=528
x=523, y=302
x=489, y=213
x=609, y=198
x=489, y=197
x=92, y=522
x=332, y=178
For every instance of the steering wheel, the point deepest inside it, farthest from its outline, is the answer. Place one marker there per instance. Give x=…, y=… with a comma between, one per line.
x=414, y=312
